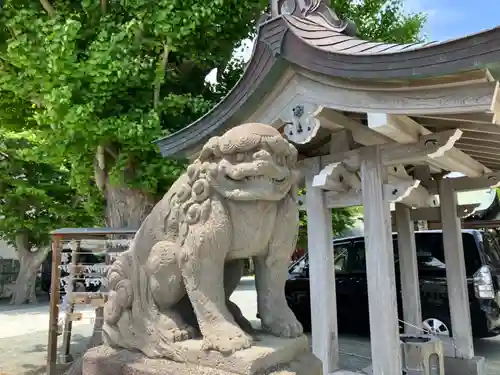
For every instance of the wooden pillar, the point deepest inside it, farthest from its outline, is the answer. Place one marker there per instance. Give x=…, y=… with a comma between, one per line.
x=70, y=307
x=455, y=271
x=384, y=326
x=321, y=274
x=408, y=269
x=54, y=306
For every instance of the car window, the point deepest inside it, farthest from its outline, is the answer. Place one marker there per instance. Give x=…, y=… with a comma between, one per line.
x=300, y=266
x=491, y=245
x=430, y=252
x=340, y=257
x=357, y=258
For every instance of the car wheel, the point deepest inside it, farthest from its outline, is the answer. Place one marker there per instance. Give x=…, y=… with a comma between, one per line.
x=435, y=326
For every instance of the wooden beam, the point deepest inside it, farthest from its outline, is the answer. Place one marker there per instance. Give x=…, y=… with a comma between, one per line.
x=456, y=160
x=434, y=213
x=336, y=177
x=366, y=97
x=495, y=105
x=477, y=117
x=490, y=153
x=458, y=292
x=466, y=126
x=360, y=133
x=383, y=311
x=401, y=187
x=419, y=196
x=322, y=274
x=430, y=146
x=480, y=144
x=403, y=129
x=408, y=270
x=459, y=184
x=396, y=192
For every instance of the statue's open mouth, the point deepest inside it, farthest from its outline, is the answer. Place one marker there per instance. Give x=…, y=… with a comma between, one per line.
x=256, y=178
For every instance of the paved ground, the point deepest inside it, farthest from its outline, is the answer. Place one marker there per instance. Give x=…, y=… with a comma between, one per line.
x=23, y=338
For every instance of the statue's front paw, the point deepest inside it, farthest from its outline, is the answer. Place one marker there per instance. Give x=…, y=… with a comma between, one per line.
x=282, y=324
x=181, y=334
x=226, y=338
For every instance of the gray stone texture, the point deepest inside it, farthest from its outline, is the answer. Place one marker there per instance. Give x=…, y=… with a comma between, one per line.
x=270, y=356
x=169, y=293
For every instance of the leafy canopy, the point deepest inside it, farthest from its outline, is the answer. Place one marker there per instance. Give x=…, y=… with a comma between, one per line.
x=119, y=74
x=35, y=198
x=382, y=20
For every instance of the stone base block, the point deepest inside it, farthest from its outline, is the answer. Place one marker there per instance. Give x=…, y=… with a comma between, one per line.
x=459, y=366
x=269, y=356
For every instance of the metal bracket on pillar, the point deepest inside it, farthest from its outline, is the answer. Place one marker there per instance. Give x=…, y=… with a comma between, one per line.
x=302, y=125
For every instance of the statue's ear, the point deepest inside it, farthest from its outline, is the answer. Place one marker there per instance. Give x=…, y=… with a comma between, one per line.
x=210, y=150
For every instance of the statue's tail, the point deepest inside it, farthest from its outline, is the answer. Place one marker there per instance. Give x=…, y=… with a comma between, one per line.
x=120, y=295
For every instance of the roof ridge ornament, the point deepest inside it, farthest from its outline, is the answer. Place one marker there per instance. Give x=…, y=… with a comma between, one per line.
x=313, y=8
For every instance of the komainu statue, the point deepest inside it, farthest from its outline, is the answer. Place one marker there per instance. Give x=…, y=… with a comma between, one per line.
x=237, y=200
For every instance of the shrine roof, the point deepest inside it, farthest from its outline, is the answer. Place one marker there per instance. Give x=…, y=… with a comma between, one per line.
x=316, y=41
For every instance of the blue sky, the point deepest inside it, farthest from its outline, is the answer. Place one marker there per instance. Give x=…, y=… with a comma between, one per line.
x=448, y=19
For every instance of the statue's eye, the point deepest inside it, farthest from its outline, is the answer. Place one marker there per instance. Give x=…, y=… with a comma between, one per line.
x=240, y=157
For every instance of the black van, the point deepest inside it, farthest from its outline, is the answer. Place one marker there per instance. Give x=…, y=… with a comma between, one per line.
x=482, y=259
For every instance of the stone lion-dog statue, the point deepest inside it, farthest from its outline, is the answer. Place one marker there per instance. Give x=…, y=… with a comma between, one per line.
x=236, y=200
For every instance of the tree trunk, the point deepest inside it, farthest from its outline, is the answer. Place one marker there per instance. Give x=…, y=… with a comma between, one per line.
x=30, y=262
x=125, y=208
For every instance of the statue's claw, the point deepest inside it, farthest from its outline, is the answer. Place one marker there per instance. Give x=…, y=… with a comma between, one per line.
x=283, y=324
x=227, y=339
x=182, y=334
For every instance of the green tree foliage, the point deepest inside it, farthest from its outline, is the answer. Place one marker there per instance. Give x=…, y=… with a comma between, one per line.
x=106, y=78
x=382, y=20
x=35, y=198
x=342, y=219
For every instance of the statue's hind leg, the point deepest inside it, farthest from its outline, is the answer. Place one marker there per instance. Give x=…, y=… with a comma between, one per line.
x=167, y=289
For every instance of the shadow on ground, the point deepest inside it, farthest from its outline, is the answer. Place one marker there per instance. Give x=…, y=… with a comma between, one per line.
x=7, y=309
x=78, y=345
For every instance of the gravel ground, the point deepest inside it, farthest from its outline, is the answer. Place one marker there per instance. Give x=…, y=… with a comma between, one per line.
x=23, y=338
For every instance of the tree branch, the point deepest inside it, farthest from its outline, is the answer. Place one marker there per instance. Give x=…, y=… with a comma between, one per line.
x=22, y=243
x=161, y=74
x=100, y=168
x=104, y=6
x=48, y=8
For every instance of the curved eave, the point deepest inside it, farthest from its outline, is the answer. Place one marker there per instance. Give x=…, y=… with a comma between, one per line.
x=262, y=72
x=321, y=50
x=280, y=44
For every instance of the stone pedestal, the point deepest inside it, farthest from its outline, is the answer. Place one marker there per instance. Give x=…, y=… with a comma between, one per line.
x=269, y=356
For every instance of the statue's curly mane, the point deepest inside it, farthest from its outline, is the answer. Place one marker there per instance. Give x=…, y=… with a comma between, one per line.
x=194, y=195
